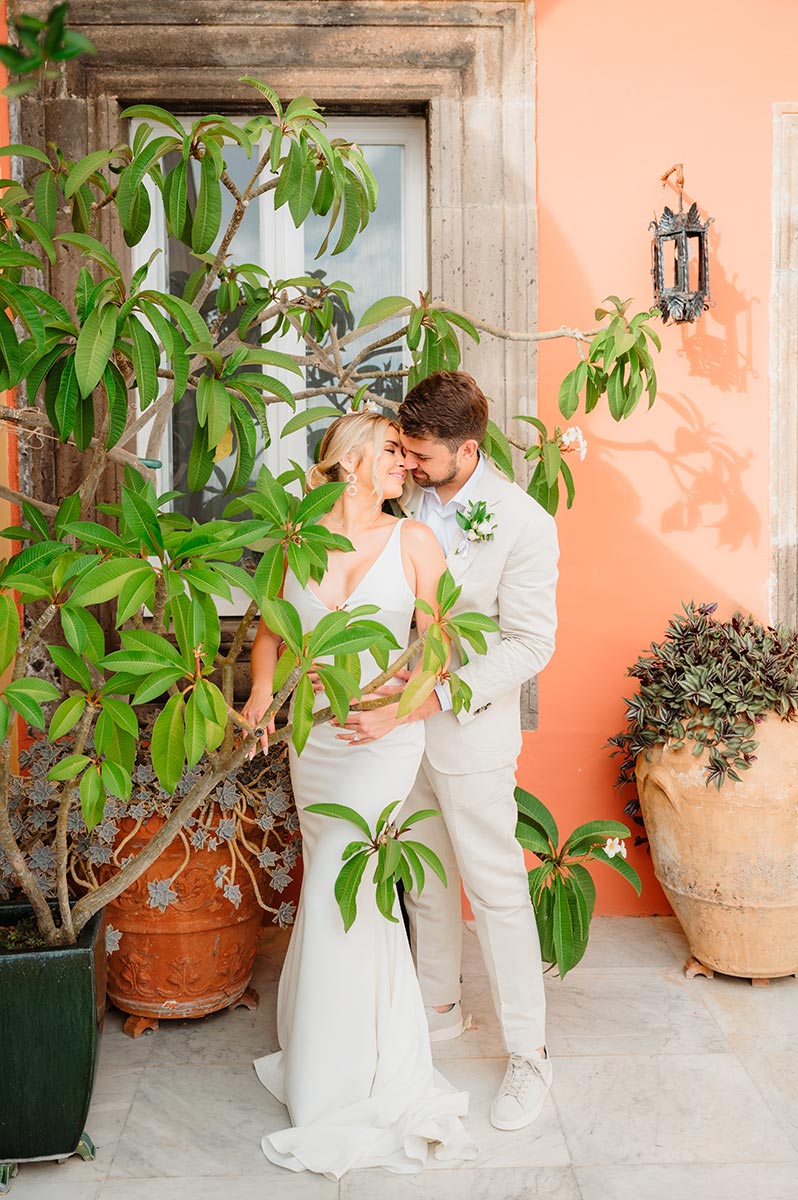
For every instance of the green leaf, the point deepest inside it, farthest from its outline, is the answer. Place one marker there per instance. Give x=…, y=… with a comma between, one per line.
x=568, y=398
x=429, y=857
x=382, y=309
x=530, y=807
x=94, y=348
x=532, y=839
x=116, y=394
x=393, y=855
x=270, y=95
x=346, y=887
x=283, y=619
x=592, y=832
x=582, y=879
x=208, y=212
x=562, y=930
x=152, y=112
x=116, y=779
x=68, y=767
x=66, y=717
x=552, y=461
x=301, y=419
x=93, y=249
x=618, y=864
x=145, y=361
x=92, y=798
x=20, y=150
x=195, y=731
x=66, y=400
x=304, y=697
x=84, y=169
x=168, y=744
x=9, y=630
x=104, y=581
x=140, y=521
x=137, y=592
x=71, y=664
x=342, y=813
x=500, y=450
x=616, y=397
x=122, y=715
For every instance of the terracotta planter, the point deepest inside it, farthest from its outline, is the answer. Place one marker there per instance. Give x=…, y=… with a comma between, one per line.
x=728, y=860
x=196, y=956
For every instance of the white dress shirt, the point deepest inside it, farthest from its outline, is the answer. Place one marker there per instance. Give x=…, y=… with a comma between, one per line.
x=442, y=520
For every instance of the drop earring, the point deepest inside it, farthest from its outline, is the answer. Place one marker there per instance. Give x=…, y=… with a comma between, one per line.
x=351, y=479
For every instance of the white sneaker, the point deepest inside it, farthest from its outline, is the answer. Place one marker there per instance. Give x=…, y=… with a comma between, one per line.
x=523, y=1092
x=445, y=1025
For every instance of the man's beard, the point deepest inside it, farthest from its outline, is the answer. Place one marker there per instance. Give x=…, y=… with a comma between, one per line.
x=423, y=479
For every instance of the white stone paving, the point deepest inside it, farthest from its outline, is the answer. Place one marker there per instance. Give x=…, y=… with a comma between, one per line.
x=663, y=1088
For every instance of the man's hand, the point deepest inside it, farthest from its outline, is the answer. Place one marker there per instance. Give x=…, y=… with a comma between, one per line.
x=372, y=724
x=252, y=711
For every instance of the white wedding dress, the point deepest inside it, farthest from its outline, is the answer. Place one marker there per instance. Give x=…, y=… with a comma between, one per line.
x=355, y=1068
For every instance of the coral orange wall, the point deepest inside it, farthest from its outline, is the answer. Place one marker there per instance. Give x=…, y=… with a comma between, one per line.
x=673, y=504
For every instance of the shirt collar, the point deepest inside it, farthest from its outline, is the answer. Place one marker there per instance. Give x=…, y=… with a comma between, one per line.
x=461, y=498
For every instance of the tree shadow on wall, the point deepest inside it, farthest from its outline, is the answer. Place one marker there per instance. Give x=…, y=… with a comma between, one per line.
x=708, y=475
x=724, y=360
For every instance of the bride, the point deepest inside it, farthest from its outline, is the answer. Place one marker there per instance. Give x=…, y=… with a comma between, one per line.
x=355, y=1069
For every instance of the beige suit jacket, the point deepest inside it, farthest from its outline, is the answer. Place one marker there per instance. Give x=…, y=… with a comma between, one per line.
x=513, y=580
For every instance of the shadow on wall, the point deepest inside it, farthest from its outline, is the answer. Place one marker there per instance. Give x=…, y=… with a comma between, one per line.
x=724, y=360
x=707, y=473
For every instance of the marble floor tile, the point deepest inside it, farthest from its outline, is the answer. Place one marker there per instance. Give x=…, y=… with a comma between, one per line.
x=638, y=1011
x=748, y=1015
x=672, y=935
x=492, y=1183
x=194, y=1121
x=669, y=1108
x=120, y=1052
x=541, y=1144
x=236, y=1036
x=625, y=942
x=287, y=1185
x=774, y=1069
x=39, y=1181
x=741, y=1181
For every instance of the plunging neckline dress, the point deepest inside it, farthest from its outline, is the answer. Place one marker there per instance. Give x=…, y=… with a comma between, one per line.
x=354, y=1067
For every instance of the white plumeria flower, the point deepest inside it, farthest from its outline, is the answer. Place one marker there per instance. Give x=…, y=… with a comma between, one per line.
x=573, y=437
x=614, y=846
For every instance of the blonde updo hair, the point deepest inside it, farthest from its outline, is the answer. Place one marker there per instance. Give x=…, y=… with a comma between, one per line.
x=351, y=435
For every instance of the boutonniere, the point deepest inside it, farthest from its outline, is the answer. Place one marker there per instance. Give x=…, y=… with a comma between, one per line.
x=478, y=523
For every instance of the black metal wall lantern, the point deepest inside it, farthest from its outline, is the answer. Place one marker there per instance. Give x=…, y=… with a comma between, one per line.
x=681, y=259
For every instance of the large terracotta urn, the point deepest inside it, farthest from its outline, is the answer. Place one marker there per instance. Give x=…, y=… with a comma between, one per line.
x=728, y=860
x=186, y=954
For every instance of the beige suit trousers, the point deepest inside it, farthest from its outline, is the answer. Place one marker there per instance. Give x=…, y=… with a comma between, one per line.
x=476, y=839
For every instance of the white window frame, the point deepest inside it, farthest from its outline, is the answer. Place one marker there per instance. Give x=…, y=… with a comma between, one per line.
x=282, y=246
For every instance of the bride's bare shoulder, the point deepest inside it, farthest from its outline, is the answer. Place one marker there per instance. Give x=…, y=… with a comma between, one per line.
x=419, y=538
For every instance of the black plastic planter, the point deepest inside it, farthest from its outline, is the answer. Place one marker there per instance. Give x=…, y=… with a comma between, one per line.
x=51, y=1009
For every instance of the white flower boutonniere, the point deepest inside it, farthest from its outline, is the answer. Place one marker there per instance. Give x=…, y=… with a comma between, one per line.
x=478, y=523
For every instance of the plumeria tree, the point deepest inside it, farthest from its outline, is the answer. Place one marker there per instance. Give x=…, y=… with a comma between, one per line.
x=105, y=371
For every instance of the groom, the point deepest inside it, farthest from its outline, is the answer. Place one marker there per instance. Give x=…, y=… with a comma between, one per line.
x=468, y=770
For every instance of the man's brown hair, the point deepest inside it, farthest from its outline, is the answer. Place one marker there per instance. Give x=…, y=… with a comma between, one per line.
x=448, y=406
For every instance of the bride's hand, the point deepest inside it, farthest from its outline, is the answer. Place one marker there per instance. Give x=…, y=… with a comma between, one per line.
x=252, y=712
